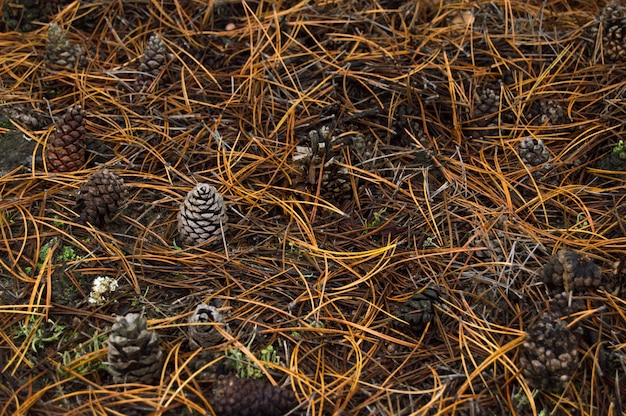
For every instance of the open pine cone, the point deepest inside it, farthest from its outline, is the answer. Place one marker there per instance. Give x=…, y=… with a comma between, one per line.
x=612, y=20
x=201, y=336
x=549, y=356
x=100, y=197
x=234, y=396
x=153, y=60
x=135, y=354
x=65, y=151
x=572, y=271
x=202, y=215
x=60, y=52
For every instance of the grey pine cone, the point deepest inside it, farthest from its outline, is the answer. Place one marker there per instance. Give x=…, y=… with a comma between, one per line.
x=533, y=152
x=152, y=62
x=100, y=197
x=201, y=336
x=202, y=215
x=549, y=356
x=486, y=105
x=572, y=271
x=59, y=50
x=135, y=354
x=65, y=151
x=612, y=20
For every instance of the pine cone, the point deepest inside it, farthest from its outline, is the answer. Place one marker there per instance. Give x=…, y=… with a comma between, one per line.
x=20, y=14
x=66, y=148
x=552, y=113
x=154, y=58
x=202, y=215
x=418, y=310
x=250, y=397
x=549, y=356
x=99, y=198
x=60, y=52
x=533, y=152
x=486, y=105
x=572, y=271
x=201, y=336
x=135, y=354
x=612, y=19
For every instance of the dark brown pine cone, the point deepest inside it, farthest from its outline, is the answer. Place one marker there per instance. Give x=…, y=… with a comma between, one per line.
x=135, y=354
x=419, y=309
x=552, y=113
x=202, y=215
x=60, y=52
x=549, y=356
x=154, y=59
x=21, y=14
x=201, y=336
x=65, y=151
x=233, y=396
x=572, y=271
x=100, y=197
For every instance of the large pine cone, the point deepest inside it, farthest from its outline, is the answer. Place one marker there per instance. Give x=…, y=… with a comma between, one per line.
x=152, y=62
x=201, y=336
x=60, y=52
x=100, y=197
x=250, y=397
x=572, y=271
x=202, y=215
x=135, y=354
x=549, y=355
x=65, y=151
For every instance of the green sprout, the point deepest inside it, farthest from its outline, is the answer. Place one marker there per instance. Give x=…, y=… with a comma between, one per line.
x=621, y=146
x=377, y=220
x=42, y=336
x=72, y=359
x=244, y=368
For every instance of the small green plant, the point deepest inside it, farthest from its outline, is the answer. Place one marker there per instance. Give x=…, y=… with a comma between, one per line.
x=247, y=369
x=66, y=254
x=376, y=221
x=619, y=147
x=42, y=336
x=72, y=359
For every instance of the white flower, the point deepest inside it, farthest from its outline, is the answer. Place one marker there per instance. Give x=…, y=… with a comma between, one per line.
x=102, y=285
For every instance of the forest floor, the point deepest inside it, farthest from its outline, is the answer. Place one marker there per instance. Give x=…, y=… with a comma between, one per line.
x=423, y=198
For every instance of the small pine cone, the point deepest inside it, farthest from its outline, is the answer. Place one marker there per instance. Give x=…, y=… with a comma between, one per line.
x=486, y=105
x=99, y=198
x=552, y=113
x=249, y=397
x=202, y=215
x=572, y=271
x=549, y=356
x=533, y=152
x=564, y=305
x=154, y=59
x=201, y=336
x=418, y=310
x=59, y=50
x=66, y=148
x=135, y=354
x=612, y=19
